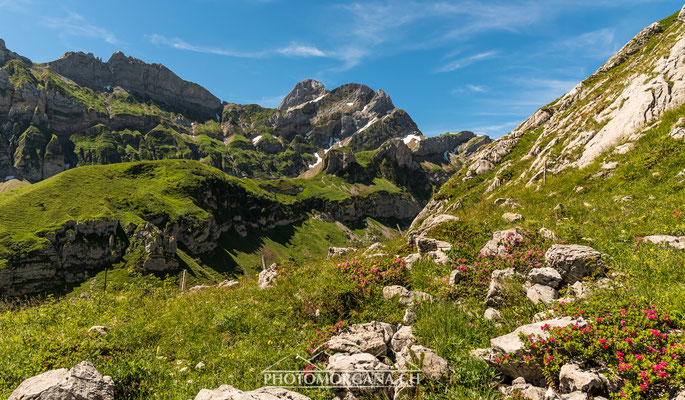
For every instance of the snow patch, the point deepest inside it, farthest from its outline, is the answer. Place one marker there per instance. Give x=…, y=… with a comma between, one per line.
x=368, y=125
x=446, y=155
x=218, y=119
x=388, y=112
x=316, y=100
x=318, y=161
x=350, y=104
x=411, y=137
x=308, y=134
x=256, y=140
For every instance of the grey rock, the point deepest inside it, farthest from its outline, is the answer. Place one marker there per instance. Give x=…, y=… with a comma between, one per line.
x=501, y=242
x=81, y=382
x=409, y=315
x=677, y=242
x=573, y=262
x=545, y=276
x=540, y=293
x=512, y=217
x=373, y=337
x=494, y=296
x=511, y=344
x=411, y=259
x=434, y=366
x=403, y=337
x=229, y=283
x=492, y=314
x=574, y=396
x=373, y=249
x=456, y=276
x=334, y=252
x=396, y=290
x=425, y=245
x=268, y=277
x=226, y=392
x=429, y=221
x=98, y=330
x=574, y=379
x=348, y=370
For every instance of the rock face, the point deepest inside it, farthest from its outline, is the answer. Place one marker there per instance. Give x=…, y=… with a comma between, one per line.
x=573, y=262
x=226, y=392
x=81, y=382
x=303, y=92
x=153, y=81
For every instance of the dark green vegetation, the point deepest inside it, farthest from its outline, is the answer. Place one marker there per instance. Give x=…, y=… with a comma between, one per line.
x=172, y=192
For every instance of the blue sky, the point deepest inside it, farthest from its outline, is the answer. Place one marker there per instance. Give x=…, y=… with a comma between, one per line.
x=453, y=65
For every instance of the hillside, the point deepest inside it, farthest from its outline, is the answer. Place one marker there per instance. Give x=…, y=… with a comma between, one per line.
x=142, y=215
x=547, y=267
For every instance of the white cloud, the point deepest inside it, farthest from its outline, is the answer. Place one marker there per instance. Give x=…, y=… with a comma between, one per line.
x=76, y=25
x=598, y=44
x=466, y=61
x=498, y=129
x=180, y=44
x=295, y=50
x=475, y=88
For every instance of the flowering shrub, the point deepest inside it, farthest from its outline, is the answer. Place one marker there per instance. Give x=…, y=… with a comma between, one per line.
x=323, y=336
x=406, y=249
x=369, y=274
x=635, y=343
x=475, y=275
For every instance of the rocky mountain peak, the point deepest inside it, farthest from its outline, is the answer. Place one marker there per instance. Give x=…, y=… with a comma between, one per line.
x=150, y=81
x=304, y=91
x=7, y=55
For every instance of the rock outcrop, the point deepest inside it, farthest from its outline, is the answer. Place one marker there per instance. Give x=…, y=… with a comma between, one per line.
x=81, y=382
x=226, y=392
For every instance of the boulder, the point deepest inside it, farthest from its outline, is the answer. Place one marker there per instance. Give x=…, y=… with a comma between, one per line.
x=456, y=276
x=429, y=223
x=226, y=392
x=511, y=344
x=541, y=293
x=573, y=262
x=339, y=251
x=396, y=290
x=547, y=234
x=403, y=337
x=572, y=378
x=501, y=242
x=575, y=396
x=411, y=259
x=81, y=382
x=522, y=390
x=409, y=315
x=374, y=248
x=98, y=330
x=495, y=291
x=425, y=245
x=492, y=314
x=545, y=276
x=512, y=217
x=433, y=367
x=438, y=256
x=610, y=166
x=198, y=288
x=228, y=283
x=268, y=277
x=677, y=242
x=372, y=337
x=352, y=371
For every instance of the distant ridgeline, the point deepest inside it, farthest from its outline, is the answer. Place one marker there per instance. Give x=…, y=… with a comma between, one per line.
x=79, y=110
